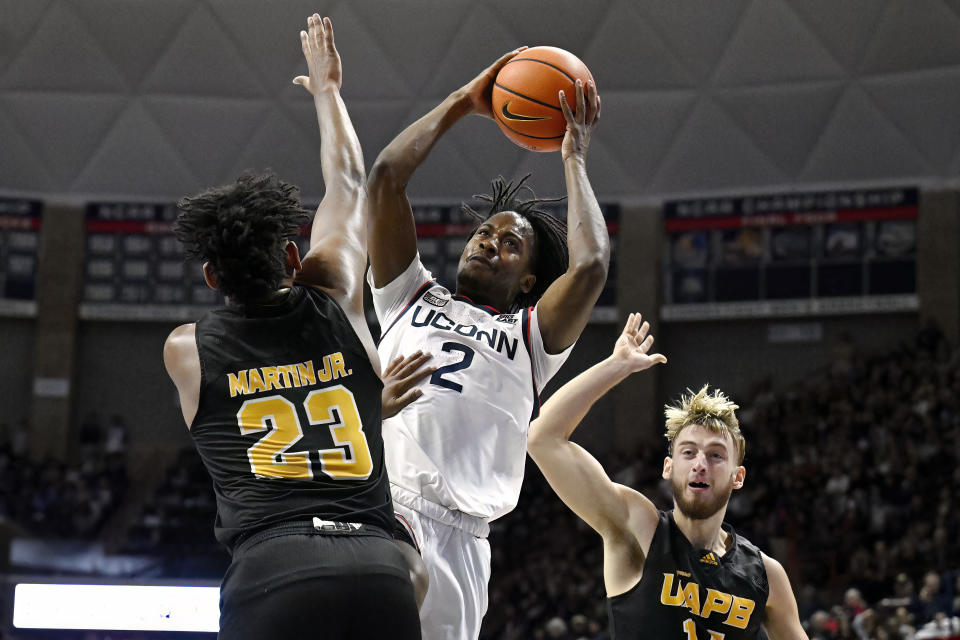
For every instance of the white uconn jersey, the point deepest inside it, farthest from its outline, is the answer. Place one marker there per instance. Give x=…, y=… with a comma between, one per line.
x=463, y=444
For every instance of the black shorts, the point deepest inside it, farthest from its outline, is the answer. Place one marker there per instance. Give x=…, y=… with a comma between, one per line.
x=293, y=581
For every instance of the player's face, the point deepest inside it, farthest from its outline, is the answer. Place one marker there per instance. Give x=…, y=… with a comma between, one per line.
x=702, y=471
x=496, y=263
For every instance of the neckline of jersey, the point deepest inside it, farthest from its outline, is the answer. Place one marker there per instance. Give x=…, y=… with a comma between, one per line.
x=485, y=307
x=721, y=559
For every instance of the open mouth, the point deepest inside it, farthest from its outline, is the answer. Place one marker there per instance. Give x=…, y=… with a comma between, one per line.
x=699, y=485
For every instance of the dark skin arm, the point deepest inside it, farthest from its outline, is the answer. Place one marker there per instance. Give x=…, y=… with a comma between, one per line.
x=565, y=307
x=392, y=233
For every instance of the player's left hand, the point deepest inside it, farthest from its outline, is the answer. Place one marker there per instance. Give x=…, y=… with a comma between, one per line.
x=580, y=123
x=323, y=61
x=399, y=379
x=634, y=343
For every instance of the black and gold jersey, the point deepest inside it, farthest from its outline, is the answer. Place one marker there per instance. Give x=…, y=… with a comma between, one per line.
x=288, y=420
x=693, y=594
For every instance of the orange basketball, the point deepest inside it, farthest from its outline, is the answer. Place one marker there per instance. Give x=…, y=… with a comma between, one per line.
x=526, y=104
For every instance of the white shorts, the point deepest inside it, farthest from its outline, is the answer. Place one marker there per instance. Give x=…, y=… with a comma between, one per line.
x=458, y=563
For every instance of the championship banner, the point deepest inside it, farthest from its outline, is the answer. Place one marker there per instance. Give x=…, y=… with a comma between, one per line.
x=797, y=247
x=20, y=222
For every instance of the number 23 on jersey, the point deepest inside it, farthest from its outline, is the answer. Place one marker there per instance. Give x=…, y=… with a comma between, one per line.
x=334, y=407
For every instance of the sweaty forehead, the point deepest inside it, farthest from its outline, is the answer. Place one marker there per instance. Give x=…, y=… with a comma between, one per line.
x=510, y=221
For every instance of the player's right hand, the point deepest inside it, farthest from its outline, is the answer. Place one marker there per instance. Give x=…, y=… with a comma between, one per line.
x=399, y=380
x=480, y=89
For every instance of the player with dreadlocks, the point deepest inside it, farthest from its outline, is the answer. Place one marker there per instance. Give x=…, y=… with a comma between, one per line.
x=281, y=392
x=524, y=293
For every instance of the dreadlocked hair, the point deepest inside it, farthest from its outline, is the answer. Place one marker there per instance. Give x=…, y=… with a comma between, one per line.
x=550, y=258
x=715, y=411
x=242, y=230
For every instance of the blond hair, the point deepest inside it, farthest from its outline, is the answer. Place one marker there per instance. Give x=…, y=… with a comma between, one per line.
x=714, y=411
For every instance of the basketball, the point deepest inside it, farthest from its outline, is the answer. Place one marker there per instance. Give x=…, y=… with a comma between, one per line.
x=526, y=104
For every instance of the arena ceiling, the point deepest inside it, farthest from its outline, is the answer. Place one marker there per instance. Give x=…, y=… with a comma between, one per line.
x=157, y=99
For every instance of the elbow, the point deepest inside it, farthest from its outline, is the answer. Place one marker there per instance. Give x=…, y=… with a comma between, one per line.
x=591, y=271
x=385, y=173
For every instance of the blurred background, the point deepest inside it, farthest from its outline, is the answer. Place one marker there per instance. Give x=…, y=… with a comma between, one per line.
x=780, y=181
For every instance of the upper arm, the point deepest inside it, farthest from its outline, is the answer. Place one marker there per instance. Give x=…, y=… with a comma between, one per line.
x=391, y=228
x=567, y=303
x=612, y=510
x=182, y=361
x=337, y=256
x=782, y=619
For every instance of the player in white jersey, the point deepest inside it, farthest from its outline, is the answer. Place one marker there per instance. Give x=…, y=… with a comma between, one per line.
x=524, y=293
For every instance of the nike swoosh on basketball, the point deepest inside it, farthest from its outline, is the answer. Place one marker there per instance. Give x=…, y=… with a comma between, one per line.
x=509, y=115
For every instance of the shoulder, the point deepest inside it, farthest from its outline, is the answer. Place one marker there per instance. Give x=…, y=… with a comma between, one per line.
x=180, y=351
x=183, y=337
x=777, y=580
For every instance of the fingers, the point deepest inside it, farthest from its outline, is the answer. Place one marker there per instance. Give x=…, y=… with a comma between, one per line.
x=408, y=397
x=581, y=103
x=412, y=364
x=328, y=26
x=392, y=367
x=593, y=103
x=567, y=113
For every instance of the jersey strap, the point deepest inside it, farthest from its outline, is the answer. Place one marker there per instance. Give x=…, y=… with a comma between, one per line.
x=528, y=345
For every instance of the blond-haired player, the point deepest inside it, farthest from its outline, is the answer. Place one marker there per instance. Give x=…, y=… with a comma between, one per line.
x=680, y=574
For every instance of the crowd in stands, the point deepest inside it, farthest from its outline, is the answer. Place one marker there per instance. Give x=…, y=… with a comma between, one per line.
x=852, y=482
x=63, y=499
x=177, y=523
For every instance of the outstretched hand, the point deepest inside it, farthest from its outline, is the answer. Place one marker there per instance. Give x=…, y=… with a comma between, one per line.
x=580, y=123
x=634, y=343
x=323, y=61
x=399, y=379
x=480, y=89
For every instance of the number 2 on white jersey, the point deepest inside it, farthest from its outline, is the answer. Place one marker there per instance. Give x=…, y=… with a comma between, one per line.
x=437, y=377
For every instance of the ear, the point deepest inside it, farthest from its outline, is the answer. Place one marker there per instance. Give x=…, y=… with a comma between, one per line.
x=209, y=276
x=667, y=467
x=739, y=475
x=527, y=282
x=293, y=257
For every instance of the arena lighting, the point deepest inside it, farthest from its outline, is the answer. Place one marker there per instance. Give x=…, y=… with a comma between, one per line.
x=116, y=607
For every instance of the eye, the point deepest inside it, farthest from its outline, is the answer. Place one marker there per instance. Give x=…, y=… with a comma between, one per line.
x=510, y=242
x=483, y=232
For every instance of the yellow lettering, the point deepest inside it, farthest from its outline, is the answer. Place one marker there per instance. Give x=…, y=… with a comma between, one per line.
x=339, y=367
x=717, y=602
x=740, y=612
x=271, y=378
x=324, y=372
x=691, y=594
x=668, y=598
x=289, y=373
x=238, y=383
x=683, y=574
x=256, y=382
x=305, y=371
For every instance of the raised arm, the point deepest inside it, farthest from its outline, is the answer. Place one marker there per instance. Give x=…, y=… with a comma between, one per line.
x=566, y=305
x=576, y=476
x=338, y=243
x=393, y=235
